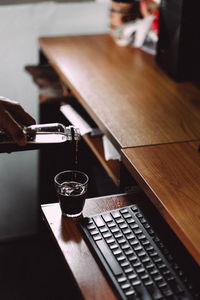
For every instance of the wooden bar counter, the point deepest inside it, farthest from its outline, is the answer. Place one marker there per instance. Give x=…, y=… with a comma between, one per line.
x=170, y=176
x=130, y=98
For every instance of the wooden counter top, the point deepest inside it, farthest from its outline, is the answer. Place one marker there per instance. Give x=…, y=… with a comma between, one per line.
x=170, y=176
x=131, y=99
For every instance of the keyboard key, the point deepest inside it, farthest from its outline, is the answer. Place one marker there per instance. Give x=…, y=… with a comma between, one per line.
x=140, y=270
x=143, y=220
x=161, y=245
x=169, y=277
x=134, y=225
x=157, y=259
x=127, y=215
x=113, y=246
x=136, y=282
x=130, y=292
x=158, y=278
x=107, y=234
x=161, y=265
x=124, y=210
x=99, y=221
x=110, y=259
x=145, y=242
x=107, y=217
x=91, y=226
x=134, y=208
x=125, y=286
x=132, y=276
x=114, y=229
x=119, y=220
x=147, y=226
x=153, y=253
x=141, y=254
x=145, y=276
x=156, y=239
x=110, y=240
x=142, y=293
x=148, y=283
x=128, y=270
x=121, y=278
x=137, y=231
x=124, y=263
x=97, y=237
x=149, y=266
x=149, y=247
x=141, y=237
x=103, y=229
x=132, y=258
x=94, y=231
x=162, y=284
x=130, y=220
x=88, y=221
x=125, y=246
x=137, y=264
x=133, y=242
x=117, y=251
x=126, y=230
x=121, y=240
x=167, y=291
x=130, y=236
x=121, y=257
x=123, y=225
x=137, y=247
x=145, y=260
x=154, y=291
x=154, y=272
x=117, y=234
x=139, y=215
x=111, y=224
x=151, y=231
x=128, y=251
x=116, y=214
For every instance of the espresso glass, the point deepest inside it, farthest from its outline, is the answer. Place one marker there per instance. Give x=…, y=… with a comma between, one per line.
x=71, y=187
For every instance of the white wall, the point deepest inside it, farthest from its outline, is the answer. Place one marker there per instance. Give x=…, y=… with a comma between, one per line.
x=20, y=27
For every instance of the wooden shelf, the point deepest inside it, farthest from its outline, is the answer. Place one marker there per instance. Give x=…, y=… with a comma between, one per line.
x=112, y=167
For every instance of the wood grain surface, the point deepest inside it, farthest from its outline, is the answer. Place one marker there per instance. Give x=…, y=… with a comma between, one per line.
x=131, y=99
x=170, y=176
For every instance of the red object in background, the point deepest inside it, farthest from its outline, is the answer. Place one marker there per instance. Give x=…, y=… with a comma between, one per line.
x=155, y=21
x=147, y=8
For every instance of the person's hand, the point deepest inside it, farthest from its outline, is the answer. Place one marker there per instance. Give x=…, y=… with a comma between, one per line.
x=13, y=118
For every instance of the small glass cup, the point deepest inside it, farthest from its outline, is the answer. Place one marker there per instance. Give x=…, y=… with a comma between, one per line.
x=71, y=187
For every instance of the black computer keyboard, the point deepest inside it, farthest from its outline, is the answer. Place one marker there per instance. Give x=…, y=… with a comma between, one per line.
x=135, y=259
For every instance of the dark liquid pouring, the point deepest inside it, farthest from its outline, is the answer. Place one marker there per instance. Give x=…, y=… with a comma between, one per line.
x=76, y=156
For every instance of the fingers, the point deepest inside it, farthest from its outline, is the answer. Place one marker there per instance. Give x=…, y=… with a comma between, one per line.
x=20, y=114
x=8, y=123
x=11, y=116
